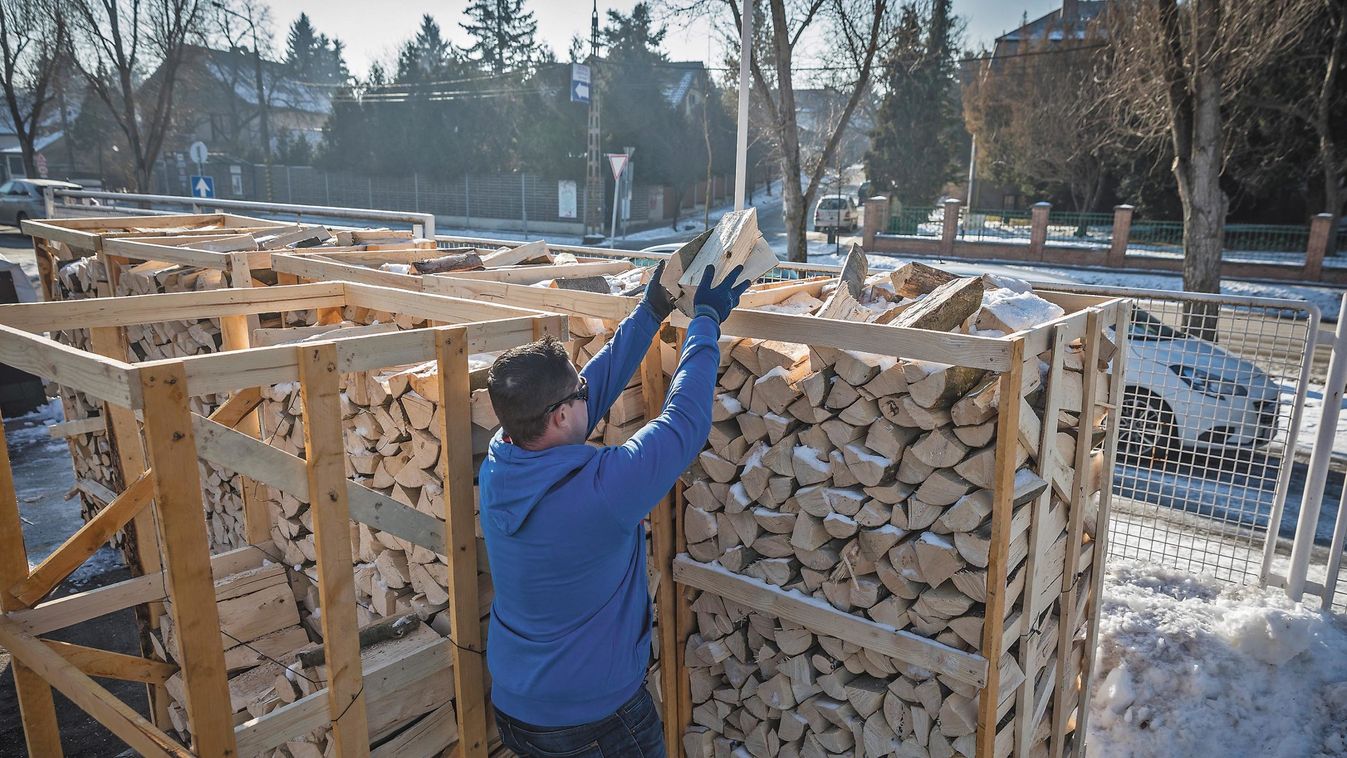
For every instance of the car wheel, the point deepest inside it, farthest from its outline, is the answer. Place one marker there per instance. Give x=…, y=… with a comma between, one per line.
x=19, y=218
x=1145, y=426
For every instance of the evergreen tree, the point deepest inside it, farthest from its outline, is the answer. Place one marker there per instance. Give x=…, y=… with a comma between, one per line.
x=502, y=33
x=313, y=57
x=915, y=141
x=633, y=37
x=425, y=57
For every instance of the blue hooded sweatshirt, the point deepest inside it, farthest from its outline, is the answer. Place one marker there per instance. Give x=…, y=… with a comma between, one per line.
x=569, y=640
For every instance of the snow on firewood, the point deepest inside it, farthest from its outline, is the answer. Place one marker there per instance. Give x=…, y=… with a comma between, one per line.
x=1009, y=311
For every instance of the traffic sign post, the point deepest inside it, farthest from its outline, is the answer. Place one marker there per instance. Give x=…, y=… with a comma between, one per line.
x=618, y=163
x=202, y=186
x=580, y=83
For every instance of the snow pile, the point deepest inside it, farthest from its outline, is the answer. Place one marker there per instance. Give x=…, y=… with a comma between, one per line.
x=1189, y=666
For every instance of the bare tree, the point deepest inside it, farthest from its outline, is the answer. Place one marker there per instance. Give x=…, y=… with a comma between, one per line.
x=130, y=53
x=860, y=29
x=32, y=40
x=1039, y=118
x=243, y=27
x=1176, y=70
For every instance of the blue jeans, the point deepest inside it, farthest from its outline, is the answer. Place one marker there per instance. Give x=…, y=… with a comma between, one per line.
x=634, y=730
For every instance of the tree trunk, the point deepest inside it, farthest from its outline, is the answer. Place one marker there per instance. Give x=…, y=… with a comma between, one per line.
x=793, y=207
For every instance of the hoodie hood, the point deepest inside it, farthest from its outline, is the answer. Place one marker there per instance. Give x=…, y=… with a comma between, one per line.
x=521, y=477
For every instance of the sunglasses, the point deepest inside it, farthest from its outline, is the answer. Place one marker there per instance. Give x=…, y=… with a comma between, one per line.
x=581, y=393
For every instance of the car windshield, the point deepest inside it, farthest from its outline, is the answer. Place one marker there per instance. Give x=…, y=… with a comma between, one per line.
x=832, y=204
x=1148, y=328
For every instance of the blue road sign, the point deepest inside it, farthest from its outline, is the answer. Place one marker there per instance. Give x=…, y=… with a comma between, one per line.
x=202, y=186
x=579, y=83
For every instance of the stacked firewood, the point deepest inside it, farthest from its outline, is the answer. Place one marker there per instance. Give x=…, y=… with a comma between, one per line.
x=274, y=656
x=866, y=481
x=764, y=687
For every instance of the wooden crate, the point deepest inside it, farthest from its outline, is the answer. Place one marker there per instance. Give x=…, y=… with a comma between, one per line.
x=1019, y=672
x=165, y=494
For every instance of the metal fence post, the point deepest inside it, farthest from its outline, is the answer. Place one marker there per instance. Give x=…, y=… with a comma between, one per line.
x=467, y=201
x=1038, y=229
x=369, y=184
x=1311, y=502
x=524, y=203
x=1320, y=231
x=1122, y=233
x=950, y=226
x=416, y=192
x=876, y=211
x=327, y=189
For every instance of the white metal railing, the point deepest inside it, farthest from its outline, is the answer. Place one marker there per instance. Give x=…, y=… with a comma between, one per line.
x=423, y=224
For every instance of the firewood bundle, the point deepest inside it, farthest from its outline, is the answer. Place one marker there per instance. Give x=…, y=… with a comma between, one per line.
x=764, y=687
x=274, y=655
x=867, y=483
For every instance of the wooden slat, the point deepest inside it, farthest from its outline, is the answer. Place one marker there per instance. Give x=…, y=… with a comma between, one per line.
x=64, y=429
x=223, y=372
x=36, y=707
x=145, y=250
x=437, y=307
x=1047, y=454
x=103, y=378
x=320, y=268
x=1007, y=435
x=684, y=621
x=919, y=344
x=238, y=452
x=325, y=459
x=118, y=717
x=534, y=274
x=382, y=683
x=824, y=619
x=662, y=535
x=84, y=543
x=1123, y=318
x=235, y=332
x=461, y=540
x=110, y=665
x=144, y=309
x=1063, y=704
x=90, y=604
x=182, y=524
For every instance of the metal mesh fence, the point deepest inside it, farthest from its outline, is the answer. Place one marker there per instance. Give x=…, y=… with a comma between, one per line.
x=1211, y=407
x=917, y=222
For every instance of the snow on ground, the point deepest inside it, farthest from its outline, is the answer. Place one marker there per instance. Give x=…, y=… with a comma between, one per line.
x=1190, y=666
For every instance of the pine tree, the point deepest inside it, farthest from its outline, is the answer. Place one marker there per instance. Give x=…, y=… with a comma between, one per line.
x=914, y=143
x=503, y=35
x=313, y=57
x=633, y=38
x=426, y=57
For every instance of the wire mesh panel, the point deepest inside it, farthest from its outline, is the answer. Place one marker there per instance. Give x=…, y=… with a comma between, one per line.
x=1214, y=391
x=916, y=222
x=995, y=225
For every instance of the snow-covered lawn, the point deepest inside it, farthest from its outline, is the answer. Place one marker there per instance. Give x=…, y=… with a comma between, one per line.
x=1191, y=666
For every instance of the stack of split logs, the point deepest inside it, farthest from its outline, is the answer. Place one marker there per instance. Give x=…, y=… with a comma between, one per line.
x=866, y=483
x=274, y=656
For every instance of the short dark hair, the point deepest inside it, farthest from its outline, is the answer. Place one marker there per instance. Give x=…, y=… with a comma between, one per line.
x=524, y=381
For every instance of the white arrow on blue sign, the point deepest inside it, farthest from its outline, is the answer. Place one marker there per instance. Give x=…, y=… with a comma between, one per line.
x=579, y=83
x=202, y=186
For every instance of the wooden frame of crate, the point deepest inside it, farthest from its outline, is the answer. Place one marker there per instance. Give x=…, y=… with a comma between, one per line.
x=86, y=236
x=168, y=489
x=1028, y=534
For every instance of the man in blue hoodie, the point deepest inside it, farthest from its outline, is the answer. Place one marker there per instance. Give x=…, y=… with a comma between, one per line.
x=569, y=641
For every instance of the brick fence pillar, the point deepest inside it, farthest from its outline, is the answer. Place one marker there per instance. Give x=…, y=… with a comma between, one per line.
x=876, y=219
x=1038, y=229
x=950, y=227
x=1122, y=233
x=1320, y=231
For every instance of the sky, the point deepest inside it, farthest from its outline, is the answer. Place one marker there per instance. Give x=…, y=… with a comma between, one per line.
x=373, y=32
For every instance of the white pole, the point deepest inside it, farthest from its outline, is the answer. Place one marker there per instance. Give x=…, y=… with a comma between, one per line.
x=1312, y=502
x=617, y=198
x=741, y=148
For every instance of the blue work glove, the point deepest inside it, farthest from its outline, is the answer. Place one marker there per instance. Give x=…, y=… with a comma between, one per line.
x=656, y=297
x=718, y=301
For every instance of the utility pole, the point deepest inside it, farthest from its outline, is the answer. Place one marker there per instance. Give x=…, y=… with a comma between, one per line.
x=593, y=177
